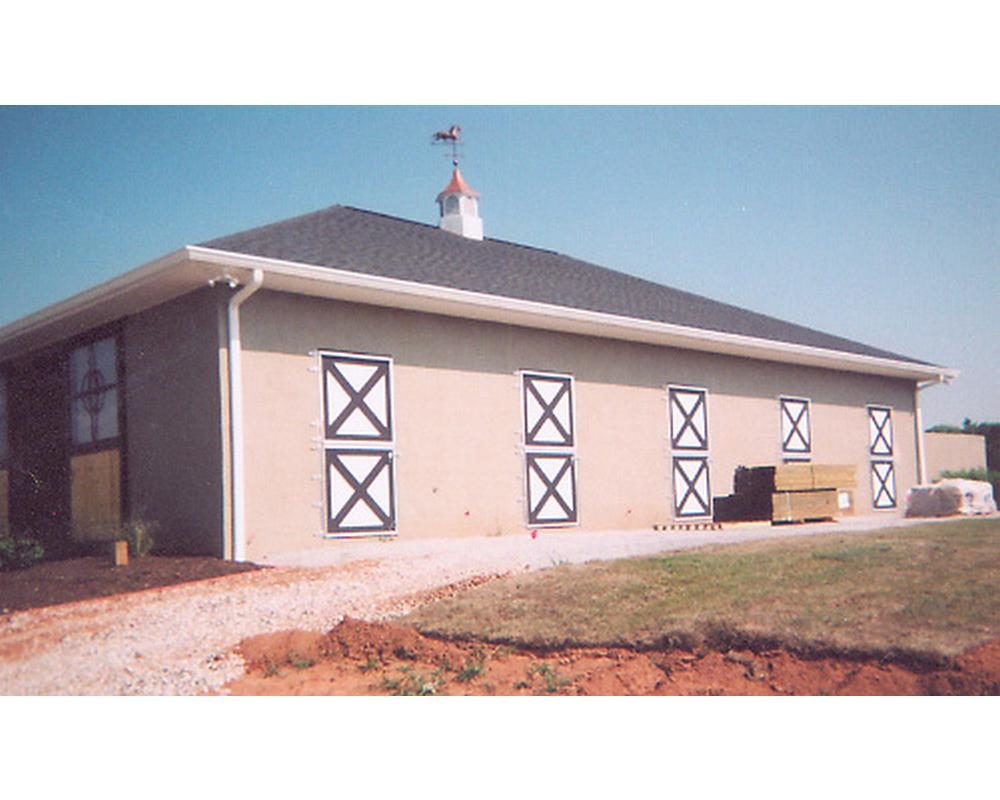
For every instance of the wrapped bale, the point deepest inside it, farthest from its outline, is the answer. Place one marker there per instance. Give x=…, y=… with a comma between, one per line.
x=954, y=496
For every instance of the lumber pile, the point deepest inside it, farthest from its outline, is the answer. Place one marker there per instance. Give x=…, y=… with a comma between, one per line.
x=788, y=493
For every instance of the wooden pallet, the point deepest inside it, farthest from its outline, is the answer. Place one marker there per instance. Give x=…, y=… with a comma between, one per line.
x=689, y=526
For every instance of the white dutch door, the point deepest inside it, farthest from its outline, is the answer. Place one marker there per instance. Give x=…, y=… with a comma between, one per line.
x=688, y=409
x=880, y=449
x=358, y=444
x=549, y=448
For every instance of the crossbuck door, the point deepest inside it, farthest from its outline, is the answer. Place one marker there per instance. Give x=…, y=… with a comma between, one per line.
x=880, y=449
x=688, y=409
x=358, y=444
x=549, y=448
x=796, y=437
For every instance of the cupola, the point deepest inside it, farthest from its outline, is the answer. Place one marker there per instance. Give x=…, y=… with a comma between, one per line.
x=459, y=205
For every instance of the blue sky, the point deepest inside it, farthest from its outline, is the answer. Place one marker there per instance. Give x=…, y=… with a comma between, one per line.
x=881, y=224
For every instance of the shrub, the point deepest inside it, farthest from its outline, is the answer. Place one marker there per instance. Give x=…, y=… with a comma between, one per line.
x=140, y=535
x=19, y=553
x=989, y=475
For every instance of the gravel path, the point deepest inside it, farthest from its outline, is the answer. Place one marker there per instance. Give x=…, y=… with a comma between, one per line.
x=178, y=640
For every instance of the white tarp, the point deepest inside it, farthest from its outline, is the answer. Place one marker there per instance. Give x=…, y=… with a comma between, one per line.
x=951, y=496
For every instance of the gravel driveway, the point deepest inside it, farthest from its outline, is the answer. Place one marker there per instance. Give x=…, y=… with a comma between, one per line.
x=178, y=640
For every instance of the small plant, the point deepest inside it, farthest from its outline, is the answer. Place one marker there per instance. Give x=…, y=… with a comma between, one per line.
x=471, y=669
x=412, y=684
x=371, y=664
x=140, y=535
x=553, y=682
x=404, y=653
x=270, y=667
x=19, y=552
x=300, y=662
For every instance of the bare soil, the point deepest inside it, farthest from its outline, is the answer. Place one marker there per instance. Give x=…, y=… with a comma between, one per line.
x=380, y=658
x=55, y=582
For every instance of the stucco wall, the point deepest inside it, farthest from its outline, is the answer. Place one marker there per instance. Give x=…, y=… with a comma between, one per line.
x=953, y=451
x=174, y=434
x=457, y=417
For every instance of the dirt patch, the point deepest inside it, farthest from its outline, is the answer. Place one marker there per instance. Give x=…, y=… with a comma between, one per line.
x=54, y=582
x=362, y=658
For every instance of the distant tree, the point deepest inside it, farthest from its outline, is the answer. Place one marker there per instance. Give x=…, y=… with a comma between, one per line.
x=945, y=429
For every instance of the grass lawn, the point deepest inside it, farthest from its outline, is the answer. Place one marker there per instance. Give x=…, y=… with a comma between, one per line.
x=925, y=592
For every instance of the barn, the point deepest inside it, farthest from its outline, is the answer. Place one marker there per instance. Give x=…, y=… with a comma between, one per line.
x=347, y=373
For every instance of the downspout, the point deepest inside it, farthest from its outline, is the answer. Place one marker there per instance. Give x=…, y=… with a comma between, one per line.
x=236, y=414
x=919, y=422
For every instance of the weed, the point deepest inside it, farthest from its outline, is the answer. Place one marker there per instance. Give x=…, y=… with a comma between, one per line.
x=521, y=685
x=370, y=664
x=413, y=684
x=471, y=669
x=404, y=653
x=300, y=662
x=140, y=535
x=19, y=553
x=270, y=667
x=553, y=682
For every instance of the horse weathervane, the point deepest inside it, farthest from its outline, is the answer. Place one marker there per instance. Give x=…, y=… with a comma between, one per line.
x=451, y=137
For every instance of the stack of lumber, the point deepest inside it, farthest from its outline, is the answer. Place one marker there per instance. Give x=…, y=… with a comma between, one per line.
x=800, y=477
x=787, y=493
x=812, y=491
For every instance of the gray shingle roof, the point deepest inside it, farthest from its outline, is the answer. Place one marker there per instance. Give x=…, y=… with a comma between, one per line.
x=375, y=244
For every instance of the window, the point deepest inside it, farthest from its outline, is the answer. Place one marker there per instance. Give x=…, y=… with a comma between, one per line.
x=94, y=392
x=880, y=448
x=688, y=409
x=796, y=436
x=358, y=444
x=549, y=442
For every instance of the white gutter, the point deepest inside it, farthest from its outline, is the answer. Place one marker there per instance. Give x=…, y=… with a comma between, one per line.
x=919, y=422
x=236, y=414
x=377, y=290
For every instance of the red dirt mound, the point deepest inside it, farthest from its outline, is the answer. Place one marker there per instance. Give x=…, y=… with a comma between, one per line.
x=360, y=658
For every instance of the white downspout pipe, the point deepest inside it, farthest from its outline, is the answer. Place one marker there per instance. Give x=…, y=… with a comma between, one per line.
x=236, y=415
x=919, y=421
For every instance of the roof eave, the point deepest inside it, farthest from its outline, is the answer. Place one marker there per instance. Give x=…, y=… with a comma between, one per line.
x=378, y=290
x=192, y=267
x=145, y=286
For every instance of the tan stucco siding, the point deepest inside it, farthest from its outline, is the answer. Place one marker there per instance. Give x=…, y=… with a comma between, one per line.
x=954, y=451
x=457, y=411
x=173, y=425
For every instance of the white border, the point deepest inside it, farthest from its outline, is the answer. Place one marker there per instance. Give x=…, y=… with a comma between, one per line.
x=381, y=446
x=549, y=449
x=679, y=452
x=795, y=455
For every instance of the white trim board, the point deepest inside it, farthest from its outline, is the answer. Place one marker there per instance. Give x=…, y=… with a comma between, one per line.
x=192, y=267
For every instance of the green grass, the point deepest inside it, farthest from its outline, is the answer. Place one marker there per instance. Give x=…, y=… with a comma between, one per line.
x=928, y=591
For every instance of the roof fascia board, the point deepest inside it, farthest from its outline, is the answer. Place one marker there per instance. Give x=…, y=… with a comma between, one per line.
x=125, y=294
x=379, y=290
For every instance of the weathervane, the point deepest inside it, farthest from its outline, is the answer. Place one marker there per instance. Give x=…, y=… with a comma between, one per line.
x=452, y=138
